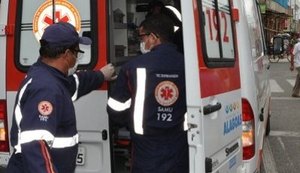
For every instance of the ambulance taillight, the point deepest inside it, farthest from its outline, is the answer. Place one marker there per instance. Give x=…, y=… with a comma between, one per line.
x=4, y=146
x=248, y=137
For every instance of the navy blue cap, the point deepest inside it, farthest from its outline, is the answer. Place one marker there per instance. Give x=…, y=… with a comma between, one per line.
x=63, y=34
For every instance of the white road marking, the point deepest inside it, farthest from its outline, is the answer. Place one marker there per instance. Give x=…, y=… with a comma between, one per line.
x=285, y=134
x=268, y=158
x=291, y=81
x=275, y=87
x=285, y=98
x=281, y=143
x=289, y=160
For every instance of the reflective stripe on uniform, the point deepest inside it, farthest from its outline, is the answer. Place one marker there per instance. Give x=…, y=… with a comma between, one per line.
x=53, y=142
x=18, y=113
x=185, y=123
x=139, y=101
x=29, y=136
x=138, y=113
x=118, y=106
x=75, y=95
x=65, y=142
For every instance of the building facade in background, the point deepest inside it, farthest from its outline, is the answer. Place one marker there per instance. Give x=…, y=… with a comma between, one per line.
x=279, y=17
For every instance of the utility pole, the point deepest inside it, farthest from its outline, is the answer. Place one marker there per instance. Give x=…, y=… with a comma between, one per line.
x=295, y=15
x=291, y=18
x=293, y=7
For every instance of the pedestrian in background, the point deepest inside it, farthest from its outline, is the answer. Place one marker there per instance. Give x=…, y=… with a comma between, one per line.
x=295, y=63
x=44, y=134
x=149, y=97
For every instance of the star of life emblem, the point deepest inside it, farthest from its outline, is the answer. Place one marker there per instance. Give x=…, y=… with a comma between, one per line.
x=64, y=11
x=45, y=108
x=166, y=93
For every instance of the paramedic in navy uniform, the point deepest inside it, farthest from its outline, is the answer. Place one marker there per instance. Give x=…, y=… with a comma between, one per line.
x=43, y=133
x=150, y=94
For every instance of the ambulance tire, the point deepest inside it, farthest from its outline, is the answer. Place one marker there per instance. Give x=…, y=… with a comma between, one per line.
x=268, y=126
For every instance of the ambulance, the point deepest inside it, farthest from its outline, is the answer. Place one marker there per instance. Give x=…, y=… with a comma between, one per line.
x=226, y=114
x=256, y=92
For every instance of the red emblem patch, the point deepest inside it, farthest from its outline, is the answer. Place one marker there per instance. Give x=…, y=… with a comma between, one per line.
x=166, y=93
x=45, y=108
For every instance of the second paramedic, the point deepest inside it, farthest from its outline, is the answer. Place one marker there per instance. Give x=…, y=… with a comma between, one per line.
x=44, y=133
x=158, y=7
x=150, y=96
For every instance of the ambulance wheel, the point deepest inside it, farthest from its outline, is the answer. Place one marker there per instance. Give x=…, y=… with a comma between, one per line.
x=273, y=58
x=268, y=127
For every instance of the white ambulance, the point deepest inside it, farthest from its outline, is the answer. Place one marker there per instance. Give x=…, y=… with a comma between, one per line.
x=256, y=92
x=216, y=44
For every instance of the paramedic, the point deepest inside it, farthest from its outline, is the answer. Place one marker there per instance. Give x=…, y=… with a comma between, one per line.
x=43, y=133
x=150, y=94
x=295, y=63
x=158, y=7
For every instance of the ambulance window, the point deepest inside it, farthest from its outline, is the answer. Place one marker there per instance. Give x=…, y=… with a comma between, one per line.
x=126, y=17
x=33, y=17
x=256, y=37
x=218, y=32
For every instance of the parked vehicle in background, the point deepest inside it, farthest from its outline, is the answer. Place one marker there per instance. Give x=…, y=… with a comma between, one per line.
x=282, y=48
x=278, y=47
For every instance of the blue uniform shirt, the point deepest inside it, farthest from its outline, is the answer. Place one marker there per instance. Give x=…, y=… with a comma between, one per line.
x=43, y=131
x=149, y=97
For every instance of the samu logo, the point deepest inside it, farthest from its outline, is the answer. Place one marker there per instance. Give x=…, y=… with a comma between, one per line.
x=43, y=118
x=45, y=109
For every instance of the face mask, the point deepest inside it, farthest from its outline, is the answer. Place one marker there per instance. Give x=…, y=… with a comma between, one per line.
x=143, y=49
x=73, y=69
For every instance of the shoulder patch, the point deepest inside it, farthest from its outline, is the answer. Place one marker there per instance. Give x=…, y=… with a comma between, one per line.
x=45, y=108
x=166, y=93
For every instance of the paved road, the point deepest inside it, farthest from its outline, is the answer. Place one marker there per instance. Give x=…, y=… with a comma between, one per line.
x=281, y=147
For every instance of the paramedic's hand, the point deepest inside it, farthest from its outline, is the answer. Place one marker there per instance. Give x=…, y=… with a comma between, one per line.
x=109, y=72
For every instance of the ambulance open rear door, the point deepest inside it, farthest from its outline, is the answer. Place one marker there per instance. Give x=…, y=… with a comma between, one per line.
x=213, y=86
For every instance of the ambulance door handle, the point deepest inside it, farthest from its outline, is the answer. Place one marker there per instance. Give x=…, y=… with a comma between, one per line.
x=211, y=108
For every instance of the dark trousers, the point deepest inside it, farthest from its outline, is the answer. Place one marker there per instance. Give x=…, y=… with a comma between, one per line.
x=15, y=164
x=296, y=89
